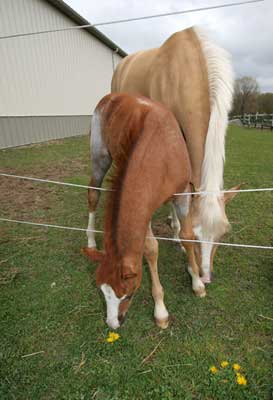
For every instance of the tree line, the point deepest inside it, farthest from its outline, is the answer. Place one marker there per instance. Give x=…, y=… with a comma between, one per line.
x=249, y=100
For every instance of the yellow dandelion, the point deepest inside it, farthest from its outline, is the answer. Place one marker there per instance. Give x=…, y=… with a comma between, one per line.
x=112, y=337
x=241, y=380
x=224, y=364
x=213, y=369
x=236, y=367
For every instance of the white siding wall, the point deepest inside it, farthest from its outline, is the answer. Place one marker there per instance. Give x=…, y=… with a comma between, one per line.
x=63, y=73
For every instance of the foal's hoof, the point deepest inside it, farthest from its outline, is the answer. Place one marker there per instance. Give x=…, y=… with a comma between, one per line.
x=87, y=250
x=162, y=323
x=92, y=253
x=200, y=292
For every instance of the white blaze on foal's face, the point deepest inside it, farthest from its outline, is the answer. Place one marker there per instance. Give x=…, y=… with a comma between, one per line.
x=112, y=305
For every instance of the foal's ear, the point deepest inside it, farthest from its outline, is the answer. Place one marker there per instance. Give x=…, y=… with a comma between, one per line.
x=230, y=196
x=128, y=271
x=92, y=253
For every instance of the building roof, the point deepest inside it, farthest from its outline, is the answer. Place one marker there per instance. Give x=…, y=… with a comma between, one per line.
x=78, y=19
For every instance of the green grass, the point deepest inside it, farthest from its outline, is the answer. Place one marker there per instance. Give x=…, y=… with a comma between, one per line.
x=49, y=301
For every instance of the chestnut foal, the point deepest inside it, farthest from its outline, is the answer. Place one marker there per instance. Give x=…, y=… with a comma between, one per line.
x=151, y=163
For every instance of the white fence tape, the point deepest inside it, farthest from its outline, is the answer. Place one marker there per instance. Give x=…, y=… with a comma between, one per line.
x=157, y=237
x=250, y=246
x=110, y=190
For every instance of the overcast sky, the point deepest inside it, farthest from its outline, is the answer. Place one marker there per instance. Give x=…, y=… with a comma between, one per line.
x=246, y=31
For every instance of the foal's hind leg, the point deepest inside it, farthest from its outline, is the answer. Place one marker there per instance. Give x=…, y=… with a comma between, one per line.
x=151, y=254
x=101, y=161
x=182, y=206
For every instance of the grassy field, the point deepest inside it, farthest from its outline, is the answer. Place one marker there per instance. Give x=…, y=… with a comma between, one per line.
x=49, y=302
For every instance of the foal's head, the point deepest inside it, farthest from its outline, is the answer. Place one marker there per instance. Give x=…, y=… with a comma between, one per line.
x=118, y=280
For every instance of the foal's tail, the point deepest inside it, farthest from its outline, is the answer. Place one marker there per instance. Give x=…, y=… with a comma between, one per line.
x=220, y=76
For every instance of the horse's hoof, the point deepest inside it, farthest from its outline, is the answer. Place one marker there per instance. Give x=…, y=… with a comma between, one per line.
x=200, y=292
x=162, y=323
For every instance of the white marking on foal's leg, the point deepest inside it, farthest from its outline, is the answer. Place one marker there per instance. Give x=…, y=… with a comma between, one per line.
x=112, y=306
x=160, y=311
x=151, y=254
x=206, y=254
x=197, y=285
x=90, y=227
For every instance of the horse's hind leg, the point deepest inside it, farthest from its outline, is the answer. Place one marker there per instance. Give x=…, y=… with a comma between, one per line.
x=151, y=254
x=100, y=161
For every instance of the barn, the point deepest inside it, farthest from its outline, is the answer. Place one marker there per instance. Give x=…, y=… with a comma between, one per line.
x=50, y=82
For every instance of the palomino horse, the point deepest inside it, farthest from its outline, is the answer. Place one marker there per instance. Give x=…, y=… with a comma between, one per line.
x=144, y=141
x=194, y=79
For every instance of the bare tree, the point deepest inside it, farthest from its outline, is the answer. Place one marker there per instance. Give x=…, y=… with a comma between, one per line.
x=246, y=93
x=265, y=103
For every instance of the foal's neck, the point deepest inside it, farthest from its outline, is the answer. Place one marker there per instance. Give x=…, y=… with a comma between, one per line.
x=130, y=223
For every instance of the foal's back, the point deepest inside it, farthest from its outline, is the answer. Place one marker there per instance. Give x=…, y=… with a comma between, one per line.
x=147, y=132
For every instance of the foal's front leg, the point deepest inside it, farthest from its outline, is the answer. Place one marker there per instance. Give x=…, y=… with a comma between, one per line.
x=151, y=254
x=182, y=206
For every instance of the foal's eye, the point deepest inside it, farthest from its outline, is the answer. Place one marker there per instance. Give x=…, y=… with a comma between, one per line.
x=127, y=297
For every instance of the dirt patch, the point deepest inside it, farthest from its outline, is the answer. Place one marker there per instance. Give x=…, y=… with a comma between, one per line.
x=63, y=170
x=7, y=277
x=56, y=171
x=20, y=196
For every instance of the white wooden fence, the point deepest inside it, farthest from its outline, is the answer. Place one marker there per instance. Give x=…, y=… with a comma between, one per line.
x=263, y=121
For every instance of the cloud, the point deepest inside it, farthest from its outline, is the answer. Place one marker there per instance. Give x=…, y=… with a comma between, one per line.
x=246, y=31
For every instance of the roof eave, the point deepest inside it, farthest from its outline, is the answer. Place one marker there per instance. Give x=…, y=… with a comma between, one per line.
x=68, y=11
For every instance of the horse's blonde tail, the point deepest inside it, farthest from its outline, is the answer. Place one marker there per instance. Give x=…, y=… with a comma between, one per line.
x=220, y=77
